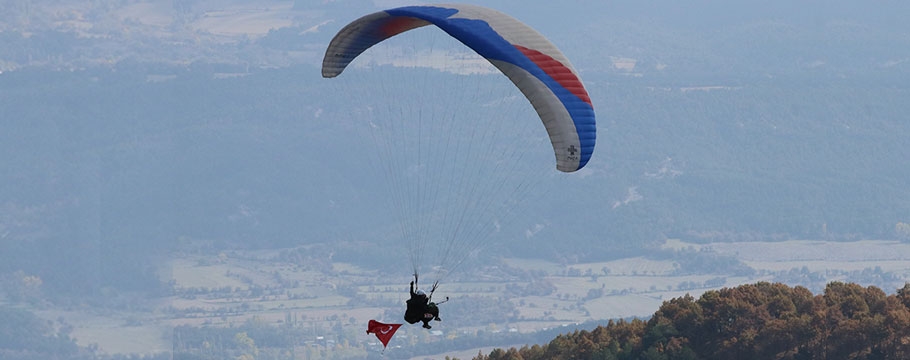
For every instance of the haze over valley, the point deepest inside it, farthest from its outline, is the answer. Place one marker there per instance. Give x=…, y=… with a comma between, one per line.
x=175, y=171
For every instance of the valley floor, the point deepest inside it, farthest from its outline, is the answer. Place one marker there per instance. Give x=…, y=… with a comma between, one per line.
x=228, y=289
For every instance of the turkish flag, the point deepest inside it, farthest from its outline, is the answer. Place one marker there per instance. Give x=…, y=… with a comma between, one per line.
x=383, y=331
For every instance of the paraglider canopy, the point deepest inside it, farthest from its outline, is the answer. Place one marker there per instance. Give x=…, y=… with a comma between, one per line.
x=457, y=163
x=542, y=73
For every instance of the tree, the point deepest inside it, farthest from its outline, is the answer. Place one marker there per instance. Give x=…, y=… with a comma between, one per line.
x=757, y=321
x=246, y=345
x=902, y=230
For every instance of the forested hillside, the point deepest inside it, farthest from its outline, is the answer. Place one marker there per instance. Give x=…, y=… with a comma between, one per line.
x=760, y=321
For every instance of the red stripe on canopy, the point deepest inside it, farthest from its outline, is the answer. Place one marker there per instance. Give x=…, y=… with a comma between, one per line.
x=559, y=72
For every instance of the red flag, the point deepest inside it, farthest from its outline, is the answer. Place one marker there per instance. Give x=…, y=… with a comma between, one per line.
x=383, y=331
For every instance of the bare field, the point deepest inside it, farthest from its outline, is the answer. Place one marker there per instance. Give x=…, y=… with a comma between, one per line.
x=236, y=20
x=898, y=266
x=243, y=20
x=803, y=250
